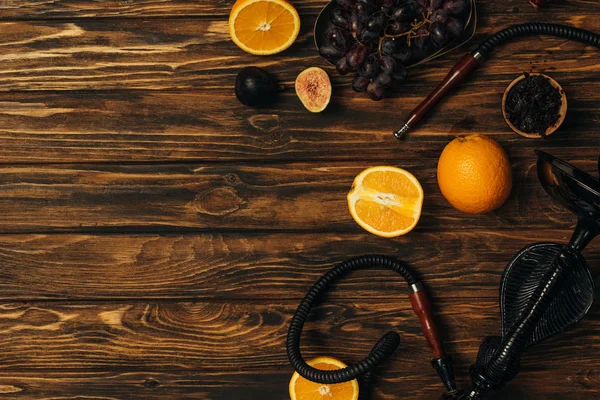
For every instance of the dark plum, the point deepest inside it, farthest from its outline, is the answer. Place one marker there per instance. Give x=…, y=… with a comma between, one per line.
x=255, y=86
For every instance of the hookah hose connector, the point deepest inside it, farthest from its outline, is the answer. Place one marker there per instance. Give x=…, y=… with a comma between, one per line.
x=385, y=346
x=471, y=61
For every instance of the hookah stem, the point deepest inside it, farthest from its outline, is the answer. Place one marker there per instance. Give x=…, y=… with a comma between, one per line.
x=385, y=346
x=471, y=61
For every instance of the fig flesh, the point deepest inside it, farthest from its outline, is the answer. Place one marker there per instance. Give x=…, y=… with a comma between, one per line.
x=255, y=87
x=313, y=88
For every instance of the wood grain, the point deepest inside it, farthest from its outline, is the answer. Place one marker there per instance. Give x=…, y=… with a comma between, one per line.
x=284, y=197
x=59, y=9
x=157, y=236
x=154, y=127
x=249, y=336
x=199, y=54
x=572, y=381
x=229, y=266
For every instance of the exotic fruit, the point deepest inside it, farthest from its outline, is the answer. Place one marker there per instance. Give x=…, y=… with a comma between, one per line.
x=539, y=3
x=313, y=88
x=255, y=87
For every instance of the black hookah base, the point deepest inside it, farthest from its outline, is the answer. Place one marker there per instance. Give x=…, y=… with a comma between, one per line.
x=523, y=275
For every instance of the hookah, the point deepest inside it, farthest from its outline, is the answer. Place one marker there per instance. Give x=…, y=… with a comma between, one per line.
x=545, y=288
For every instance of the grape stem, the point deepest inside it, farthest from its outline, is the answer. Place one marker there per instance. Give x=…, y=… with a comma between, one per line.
x=410, y=34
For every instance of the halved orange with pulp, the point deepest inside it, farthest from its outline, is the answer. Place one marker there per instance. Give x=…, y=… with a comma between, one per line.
x=303, y=389
x=386, y=201
x=263, y=27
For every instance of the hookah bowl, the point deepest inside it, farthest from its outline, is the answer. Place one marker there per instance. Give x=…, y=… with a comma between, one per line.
x=547, y=287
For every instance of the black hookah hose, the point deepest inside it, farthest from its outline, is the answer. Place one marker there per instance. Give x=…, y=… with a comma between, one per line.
x=471, y=61
x=386, y=345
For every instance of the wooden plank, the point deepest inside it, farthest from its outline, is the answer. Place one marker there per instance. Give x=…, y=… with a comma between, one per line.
x=289, y=197
x=59, y=9
x=253, y=266
x=246, y=336
x=149, y=126
x=561, y=382
x=158, y=54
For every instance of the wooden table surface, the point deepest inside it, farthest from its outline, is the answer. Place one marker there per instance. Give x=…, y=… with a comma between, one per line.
x=156, y=235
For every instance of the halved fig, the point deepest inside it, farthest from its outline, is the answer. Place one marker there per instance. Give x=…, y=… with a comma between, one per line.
x=313, y=88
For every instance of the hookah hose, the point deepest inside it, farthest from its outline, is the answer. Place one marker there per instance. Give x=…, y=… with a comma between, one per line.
x=386, y=345
x=471, y=61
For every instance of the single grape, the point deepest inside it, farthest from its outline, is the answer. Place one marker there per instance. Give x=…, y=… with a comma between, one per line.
x=328, y=51
x=399, y=75
x=438, y=35
x=357, y=56
x=367, y=36
x=435, y=4
x=346, y=4
x=388, y=46
x=406, y=12
x=396, y=28
x=402, y=54
x=355, y=24
x=439, y=15
x=370, y=68
x=364, y=11
x=384, y=80
x=338, y=39
x=342, y=66
x=377, y=22
x=422, y=38
x=455, y=7
x=375, y=91
x=339, y=18
x=455, y=27
x=387, y=3
x=387, y=64
x=360, y=83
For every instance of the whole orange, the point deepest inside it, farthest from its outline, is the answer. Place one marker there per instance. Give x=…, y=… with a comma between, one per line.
x=474, y=174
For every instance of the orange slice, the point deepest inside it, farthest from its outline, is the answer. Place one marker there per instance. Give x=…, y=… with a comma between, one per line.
x=263, y=27
x=386, y=201
x=303, y=389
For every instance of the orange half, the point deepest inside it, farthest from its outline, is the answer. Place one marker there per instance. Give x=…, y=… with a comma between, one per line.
x=263, y=27
x=303, y=389
x=386, y=201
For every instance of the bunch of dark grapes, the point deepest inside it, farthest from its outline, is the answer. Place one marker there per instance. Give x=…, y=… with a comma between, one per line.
x=376, y=38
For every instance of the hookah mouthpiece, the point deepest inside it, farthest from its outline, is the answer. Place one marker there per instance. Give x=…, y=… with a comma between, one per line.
x=388, y=343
